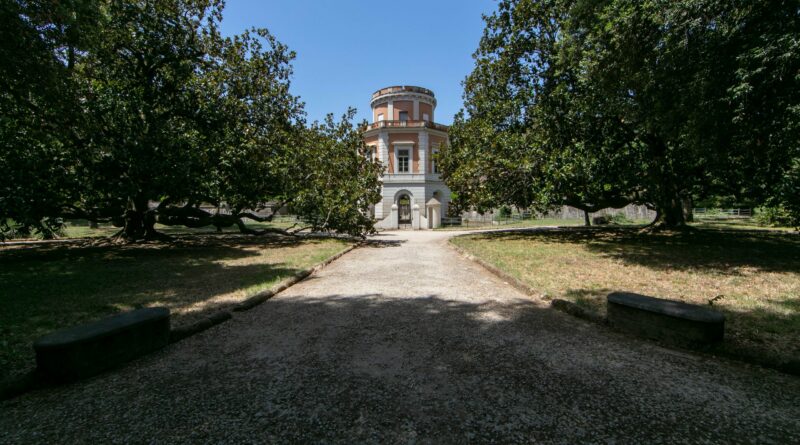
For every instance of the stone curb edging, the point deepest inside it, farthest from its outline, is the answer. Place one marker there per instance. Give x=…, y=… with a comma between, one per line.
x=254, y=300
x=31, y=380
x=788, y=367
x=16, y=386
x=576, y=311
x=181, y=332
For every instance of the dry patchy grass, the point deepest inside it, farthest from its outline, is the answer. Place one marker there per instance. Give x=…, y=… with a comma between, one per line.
x=753, y=277
x=473, y=225
x=48, y=287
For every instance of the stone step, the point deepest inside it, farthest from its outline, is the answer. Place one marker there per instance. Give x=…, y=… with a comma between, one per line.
x=661, y=319
x=89, y=349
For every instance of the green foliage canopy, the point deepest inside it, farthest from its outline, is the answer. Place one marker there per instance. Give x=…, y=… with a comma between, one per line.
x=139, y=112
x=603, y=103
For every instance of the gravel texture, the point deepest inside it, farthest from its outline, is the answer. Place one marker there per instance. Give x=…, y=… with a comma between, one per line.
x=405, y=341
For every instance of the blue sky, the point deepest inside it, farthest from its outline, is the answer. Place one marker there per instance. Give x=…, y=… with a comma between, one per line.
x=348, y=49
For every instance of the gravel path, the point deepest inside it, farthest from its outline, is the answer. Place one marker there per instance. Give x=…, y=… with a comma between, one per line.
x=407, y=342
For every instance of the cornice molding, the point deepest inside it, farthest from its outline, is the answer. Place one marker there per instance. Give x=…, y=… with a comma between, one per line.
x=403, y=95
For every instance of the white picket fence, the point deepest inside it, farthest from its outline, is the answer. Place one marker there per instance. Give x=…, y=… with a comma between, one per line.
x=703, y=212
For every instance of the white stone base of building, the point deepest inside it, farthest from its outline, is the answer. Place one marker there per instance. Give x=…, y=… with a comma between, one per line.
x=428, y=197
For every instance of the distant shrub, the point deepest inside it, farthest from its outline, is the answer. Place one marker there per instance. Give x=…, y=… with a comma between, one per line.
x=773, y=216
x=620, y=218
x=504, y=212
x=600, y=220
x=713, y=213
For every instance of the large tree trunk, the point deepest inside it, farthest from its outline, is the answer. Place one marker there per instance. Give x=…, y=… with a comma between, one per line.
x=666, y=191
x=139, y=222
x=150, y=226
x=670, y=214
x=586, y=221
x=134, y=225
x=688, y=205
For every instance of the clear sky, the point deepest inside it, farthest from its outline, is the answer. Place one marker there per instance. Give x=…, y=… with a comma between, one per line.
x=347, y=49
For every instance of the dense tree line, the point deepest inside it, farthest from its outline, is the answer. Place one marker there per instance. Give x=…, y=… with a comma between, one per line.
x=600, y=104
x=109, y=106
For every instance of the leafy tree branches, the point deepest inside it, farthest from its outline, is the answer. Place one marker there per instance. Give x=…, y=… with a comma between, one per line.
x=598, y=104
x=138, y=112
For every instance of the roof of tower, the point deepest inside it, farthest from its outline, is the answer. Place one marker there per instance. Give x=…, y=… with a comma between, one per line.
x=402, y=89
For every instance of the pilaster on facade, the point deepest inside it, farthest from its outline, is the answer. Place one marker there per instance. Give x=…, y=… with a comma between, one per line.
x=390, y=111
x=383, y=147
x=423, y=151
x=416, y=109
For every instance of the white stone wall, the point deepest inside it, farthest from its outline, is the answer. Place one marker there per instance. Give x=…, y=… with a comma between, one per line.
x=420, y=193
x=417, y=192
x=444, y=195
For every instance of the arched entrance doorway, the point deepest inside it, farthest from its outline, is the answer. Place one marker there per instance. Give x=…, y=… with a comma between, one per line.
x=404, y=209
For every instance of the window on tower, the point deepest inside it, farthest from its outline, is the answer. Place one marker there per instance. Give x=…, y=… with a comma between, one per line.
x=403, y=116
x=402, y=161
x=380, y=117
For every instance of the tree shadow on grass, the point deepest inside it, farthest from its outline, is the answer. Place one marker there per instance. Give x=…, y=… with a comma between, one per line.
x=382, y=243
x=757, y=319
x=383, y=239
x=46, y=288
x=711, y=250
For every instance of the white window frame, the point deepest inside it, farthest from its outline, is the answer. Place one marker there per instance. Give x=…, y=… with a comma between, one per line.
x=380, y=117
x=426, y=117
x=400, y=116
x=403, y=146
x=434, y=152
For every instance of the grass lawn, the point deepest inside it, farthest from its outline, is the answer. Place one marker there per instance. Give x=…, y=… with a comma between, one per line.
x=735, y=223
x=704, y=223
x=48, y=287
x=515, y=224
x=753, y=277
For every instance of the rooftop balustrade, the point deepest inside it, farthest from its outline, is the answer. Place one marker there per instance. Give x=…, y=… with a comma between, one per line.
x=401, y=89
x=407, y=124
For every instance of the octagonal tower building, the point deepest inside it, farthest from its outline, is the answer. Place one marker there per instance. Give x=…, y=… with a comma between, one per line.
x=405, y=139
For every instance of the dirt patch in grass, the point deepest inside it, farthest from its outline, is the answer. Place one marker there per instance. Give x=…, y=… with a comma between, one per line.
x=753, y=277
x=48, y=287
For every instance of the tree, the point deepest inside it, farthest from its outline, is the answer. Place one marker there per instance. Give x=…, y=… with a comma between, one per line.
x=530, y=139
x=39, y=110
x=158, y=116
x=765, y=95
x=616, y=102
x=333, y=179
x=145, y=110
